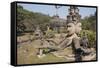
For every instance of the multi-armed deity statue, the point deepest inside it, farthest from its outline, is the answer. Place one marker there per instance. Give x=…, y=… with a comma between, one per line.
x=73, y=29
x=72, y=38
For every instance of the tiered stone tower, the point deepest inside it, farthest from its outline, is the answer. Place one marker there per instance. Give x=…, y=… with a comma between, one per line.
x=74, y=16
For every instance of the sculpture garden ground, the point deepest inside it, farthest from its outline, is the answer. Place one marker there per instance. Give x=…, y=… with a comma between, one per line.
x=56, y=39
x=27, y=52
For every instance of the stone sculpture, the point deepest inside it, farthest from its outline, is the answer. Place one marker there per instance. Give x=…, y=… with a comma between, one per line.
x=72, y=38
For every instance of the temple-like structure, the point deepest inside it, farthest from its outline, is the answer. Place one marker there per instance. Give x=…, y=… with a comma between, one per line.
x=74, y=15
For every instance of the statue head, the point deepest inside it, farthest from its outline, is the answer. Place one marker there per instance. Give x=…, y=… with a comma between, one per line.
x=70, y=28
x=73, y=28
x=73, y=21
x=78, y=28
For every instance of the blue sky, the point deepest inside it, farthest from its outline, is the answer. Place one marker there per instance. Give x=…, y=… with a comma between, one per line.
x=62, y=11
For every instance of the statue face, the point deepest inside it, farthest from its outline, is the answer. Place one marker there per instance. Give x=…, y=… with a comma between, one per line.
x=73, y=28
x=78, y=28
x=70, y=28
x=72, y=11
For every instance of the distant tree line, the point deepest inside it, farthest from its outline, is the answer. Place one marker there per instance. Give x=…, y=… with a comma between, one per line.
x=28, y=21
x=89, y=23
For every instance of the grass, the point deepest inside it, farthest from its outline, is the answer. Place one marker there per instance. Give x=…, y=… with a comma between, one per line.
x=32, y=59
x=27, y=54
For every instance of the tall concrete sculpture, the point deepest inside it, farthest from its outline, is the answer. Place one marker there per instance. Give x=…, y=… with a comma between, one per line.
x=72, y=38
x=73, y=29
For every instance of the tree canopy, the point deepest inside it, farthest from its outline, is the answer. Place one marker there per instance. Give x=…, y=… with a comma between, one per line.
x=27, y=20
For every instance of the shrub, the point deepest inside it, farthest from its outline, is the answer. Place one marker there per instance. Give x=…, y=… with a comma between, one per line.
x=91, y=35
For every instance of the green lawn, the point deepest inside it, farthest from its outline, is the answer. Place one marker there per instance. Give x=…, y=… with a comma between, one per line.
x=26, y=54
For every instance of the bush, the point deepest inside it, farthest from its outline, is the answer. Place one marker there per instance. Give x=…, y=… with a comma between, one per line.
x=91, y=35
